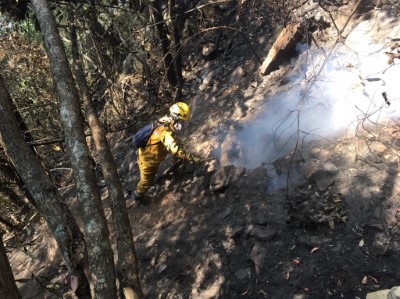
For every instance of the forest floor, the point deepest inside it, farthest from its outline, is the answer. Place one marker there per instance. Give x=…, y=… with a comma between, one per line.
x=334, y=233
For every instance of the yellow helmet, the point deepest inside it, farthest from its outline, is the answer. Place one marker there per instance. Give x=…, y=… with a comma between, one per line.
x=180, y=110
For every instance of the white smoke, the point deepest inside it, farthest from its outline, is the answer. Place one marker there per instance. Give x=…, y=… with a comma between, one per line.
x=330, y=93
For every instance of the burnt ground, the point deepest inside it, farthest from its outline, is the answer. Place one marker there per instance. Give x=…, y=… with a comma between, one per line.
x=246, y=242
x=333, y=232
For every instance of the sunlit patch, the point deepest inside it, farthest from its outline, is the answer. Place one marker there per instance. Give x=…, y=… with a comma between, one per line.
x=167, y=199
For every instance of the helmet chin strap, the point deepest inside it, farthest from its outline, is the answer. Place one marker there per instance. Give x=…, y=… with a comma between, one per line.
x=174, y=116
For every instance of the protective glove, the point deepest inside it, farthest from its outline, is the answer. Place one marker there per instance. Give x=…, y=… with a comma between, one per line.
x=196, y=160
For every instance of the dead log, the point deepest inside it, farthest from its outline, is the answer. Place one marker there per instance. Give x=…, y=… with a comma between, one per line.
x=284, y=43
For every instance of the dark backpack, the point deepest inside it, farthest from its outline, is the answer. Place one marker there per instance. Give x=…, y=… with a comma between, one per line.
x=141, y=137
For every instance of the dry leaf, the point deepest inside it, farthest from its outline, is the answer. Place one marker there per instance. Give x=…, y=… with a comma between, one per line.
x=263, y=292
x=296, y=261
x=331, y=224
x=374, y=279
x=287, y=275
x=74, y=283
x=364, y=280
x=314, y=249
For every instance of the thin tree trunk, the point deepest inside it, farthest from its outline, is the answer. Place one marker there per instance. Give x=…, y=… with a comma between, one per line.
x=100, y=255
x=8, y=178
x=127, y=262
x=98, y=36
x=7, y=167
x=176, y=23
x=8, y=288
x=165, y=44
x=43, y=190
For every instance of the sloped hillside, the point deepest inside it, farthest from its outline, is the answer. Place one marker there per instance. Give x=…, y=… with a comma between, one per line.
x=231, y=228
x=298, y=192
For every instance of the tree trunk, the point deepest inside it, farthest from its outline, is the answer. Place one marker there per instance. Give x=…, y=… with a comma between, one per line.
x=8, y=168
x=9, y=181
x=165, y=44
x=100, y=255
x=99, y=37
x=44, y=192
x=8, y=287
x=127, y=262
x=177, y=22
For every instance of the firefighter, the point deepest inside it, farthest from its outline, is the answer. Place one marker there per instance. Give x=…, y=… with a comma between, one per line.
x=162, y=142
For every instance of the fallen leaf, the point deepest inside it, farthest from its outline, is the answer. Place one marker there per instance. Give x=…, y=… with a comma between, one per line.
x=331, y=224
x=364, y=280
x=287, y=275
x=337, y=199
x=361, y=243
x=314, y=249
x=162, y=268
x=263, y=292
x=374, y=279
x=340, y=281
x=74, y=283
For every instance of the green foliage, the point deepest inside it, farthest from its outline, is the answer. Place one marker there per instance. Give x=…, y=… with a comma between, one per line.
x=28, y=28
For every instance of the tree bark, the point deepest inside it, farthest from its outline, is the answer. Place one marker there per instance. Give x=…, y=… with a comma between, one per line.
x=40, y=186
x=7, y=168
x=10, y=181
x=100, y=255
x=177, y=22
x=165, y=44
x=99, y=37
x=8, y=287
x=127, y=262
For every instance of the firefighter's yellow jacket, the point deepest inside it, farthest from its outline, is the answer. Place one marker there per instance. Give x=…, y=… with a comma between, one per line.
x=161, y=143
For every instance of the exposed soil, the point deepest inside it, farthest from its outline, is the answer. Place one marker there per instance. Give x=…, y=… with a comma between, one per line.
x=247, y=242
x=250, y=239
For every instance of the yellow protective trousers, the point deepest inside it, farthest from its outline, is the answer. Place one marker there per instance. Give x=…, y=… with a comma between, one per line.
x=161, y=143
x=149, y=160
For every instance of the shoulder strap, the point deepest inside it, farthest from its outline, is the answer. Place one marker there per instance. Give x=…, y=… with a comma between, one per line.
x=151, y=133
